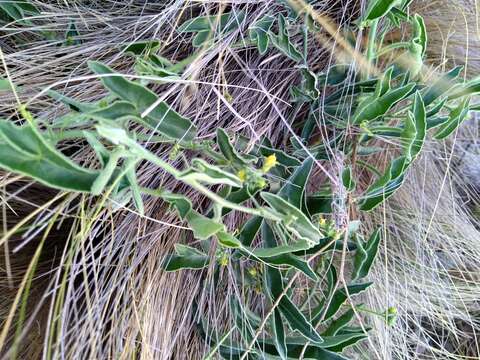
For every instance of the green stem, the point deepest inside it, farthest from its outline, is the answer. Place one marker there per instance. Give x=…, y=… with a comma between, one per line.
x=391, y=47
x=371, y=43
x=147, y=155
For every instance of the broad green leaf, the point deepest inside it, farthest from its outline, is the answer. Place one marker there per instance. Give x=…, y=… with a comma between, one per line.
x=228, y=149
x=282, y=157
x=282, y=41
x=202, y=38
x=263, y=253
x=318, y=313
x=338, y=324
x=340, y=296
x=334, y=75
x=279, y=334
x=375, y=108
x=71, y=103
x=347, y=180
x=383, y=84
x=436, y=109
x=385, y=186
x=285, y=258
x=378, y=9
x=297, y=346
x=294, y=188
x=97, y=146
x=185, y=250
x=470, y=88
x=420, y=33
x=250, y=230
x=203, y=172
x=5, y=85
x=142, y=47
x=294, y=220
x=408, y=135
x=441, y=86
x=274, y=284
x=258, y=33
x=309, y=88
x=162, y=118
x=228, y=240
x=420, y=123
x=365, y=255
x=456, y=117
x=24, y=151
x=345, y=340
x=201, y=226
x=12, y=10
x=292, y=261
x=436, y=121
x=131, y=176
x=298, y=321
x=181, y=262
x=107, y=172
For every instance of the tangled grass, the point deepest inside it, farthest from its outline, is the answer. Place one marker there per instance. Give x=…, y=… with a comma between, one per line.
x=98, y=290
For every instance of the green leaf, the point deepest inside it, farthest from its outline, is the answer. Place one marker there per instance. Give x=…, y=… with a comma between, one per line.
x=282, y=41
x=180, y=262
x=142, y=47
x=317, y=313
x=347, y=179
x=5, y=85
x=274, y=284
x=162, y=118
x=294, y=188
x=131, y=176
x=374, y=108
x=228, y=240
x=339, y=323
x=365, y=255
x=201, y=226
x=294, y=220
x=228, y=150
x=385, y=186
x=203, y=172
x=456, y=117
x=378, y=9
x=258, y=33
x=420, y=32
x=345, y=340
x=420, y=126
x=25, y=151
x=297, y=320
x=340, y=296
x=13, y=10
x=71, y=103
x=441, y=86
x=202, y=38
x=185, y=250
x=250, y=230
x=282, y=157
x=279, y=334
x=470, y=88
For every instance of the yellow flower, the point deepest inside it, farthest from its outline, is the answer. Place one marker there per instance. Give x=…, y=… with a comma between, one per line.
x=269, y=162
x=223, y=260
x=252, y=271
x=242, y=175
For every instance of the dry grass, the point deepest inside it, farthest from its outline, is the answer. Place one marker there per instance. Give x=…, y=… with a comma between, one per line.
x=98, y=290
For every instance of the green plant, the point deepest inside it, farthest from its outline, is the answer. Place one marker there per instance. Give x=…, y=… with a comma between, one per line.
x=286, y=235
